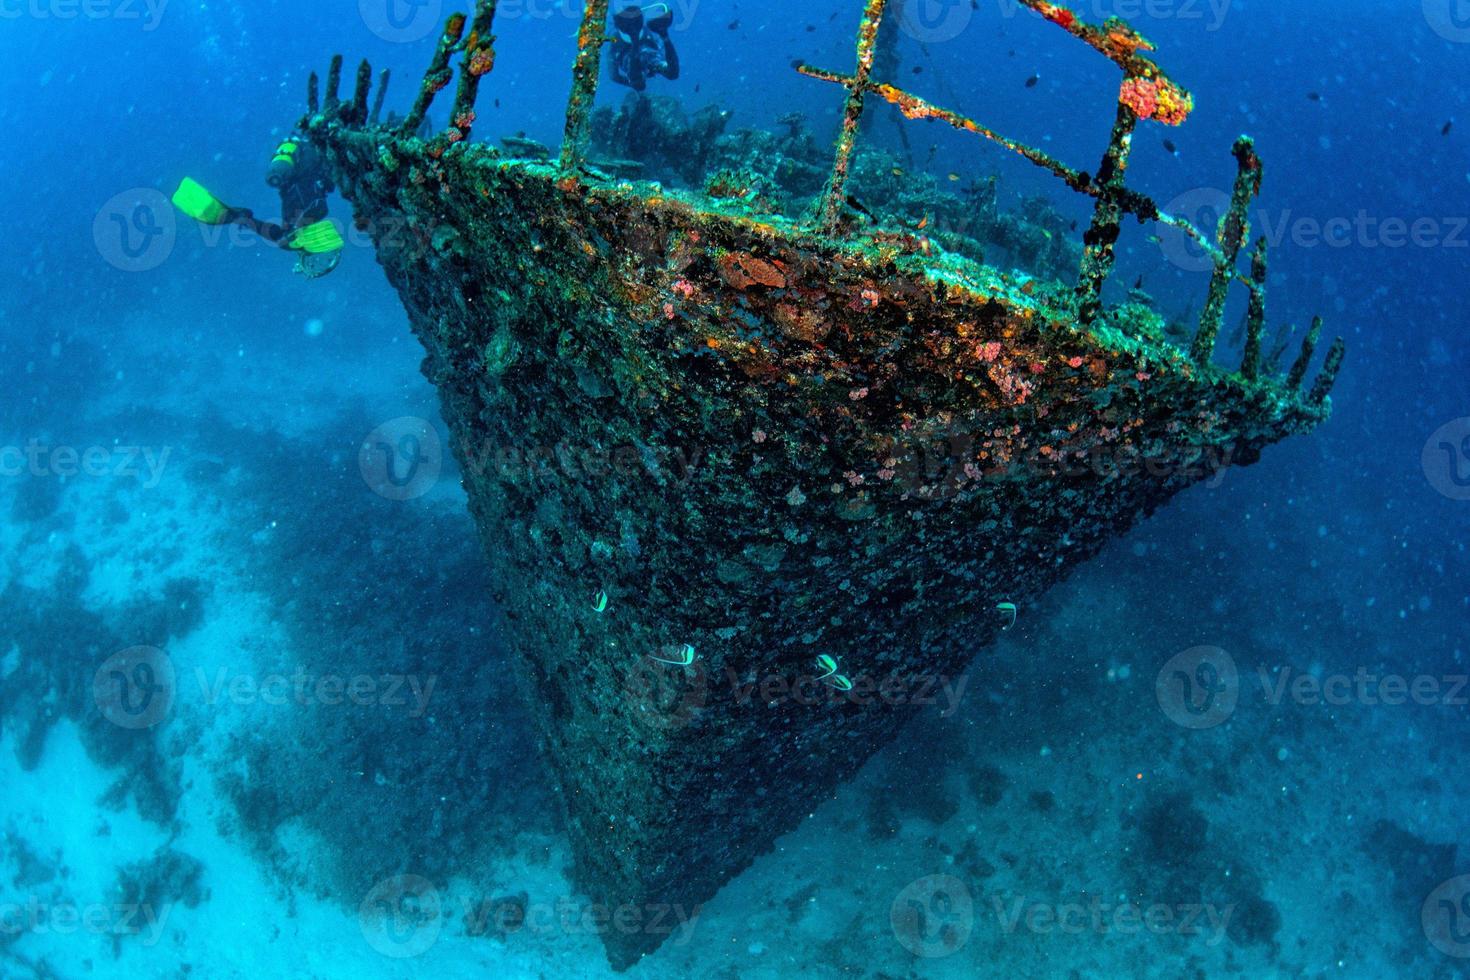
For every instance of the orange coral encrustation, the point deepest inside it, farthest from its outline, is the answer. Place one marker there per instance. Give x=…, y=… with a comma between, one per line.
x=743, y=270
x=1157, y=99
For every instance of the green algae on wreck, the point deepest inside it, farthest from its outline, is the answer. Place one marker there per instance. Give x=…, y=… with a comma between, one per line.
x=813, y=440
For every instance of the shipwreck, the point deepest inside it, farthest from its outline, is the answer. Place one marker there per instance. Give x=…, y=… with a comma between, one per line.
x=850, y=455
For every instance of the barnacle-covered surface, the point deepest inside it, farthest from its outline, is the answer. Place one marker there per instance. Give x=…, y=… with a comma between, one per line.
x=810, y=445
x=753, y=485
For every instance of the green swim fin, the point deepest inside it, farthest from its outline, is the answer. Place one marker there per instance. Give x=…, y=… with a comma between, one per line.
x=317, y=239
x=192, y=199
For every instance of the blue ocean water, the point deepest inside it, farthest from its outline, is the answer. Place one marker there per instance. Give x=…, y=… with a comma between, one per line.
x=180, y=472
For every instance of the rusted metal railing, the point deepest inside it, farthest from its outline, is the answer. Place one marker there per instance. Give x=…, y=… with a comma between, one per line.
x=1146, y=93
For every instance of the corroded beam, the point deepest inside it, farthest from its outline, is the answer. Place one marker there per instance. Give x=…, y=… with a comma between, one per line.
x=479, y=60
x=914, y=107
x=359, y=108
x=1100, y=242
x=438, y=75
x=1255, y=317
x=1298, y=371
x=1328, y=378
x=585, y=72
x=852, y=114
x=334, y=81
x=1234, y=228
x=383, y=78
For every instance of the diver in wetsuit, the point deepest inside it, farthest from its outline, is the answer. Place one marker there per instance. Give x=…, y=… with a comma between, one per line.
x=642, y=46
x=299, y=174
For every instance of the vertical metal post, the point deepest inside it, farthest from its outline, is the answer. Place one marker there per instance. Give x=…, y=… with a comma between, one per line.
x=359, y=109
x=852, y=115
x=1298, y=371
x=1100, y=242
x=383, y=78
x=1328, y=377
x=479, y=59
x=585, y=75
x=1233, y=231
x=1255, y=317
x=438, y=75
x=334, y=81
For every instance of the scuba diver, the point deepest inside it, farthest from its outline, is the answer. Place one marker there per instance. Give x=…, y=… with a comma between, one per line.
x=297, y=171
x=642, y=46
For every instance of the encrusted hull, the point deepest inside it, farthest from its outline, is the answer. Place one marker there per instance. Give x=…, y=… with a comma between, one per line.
x=766, y=445
x=753, y=490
